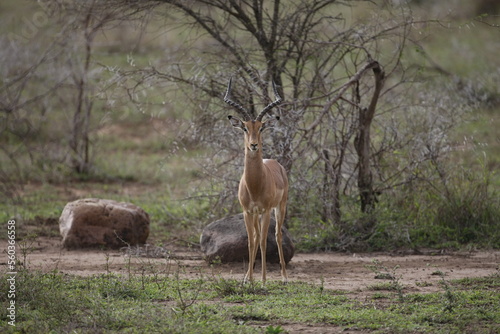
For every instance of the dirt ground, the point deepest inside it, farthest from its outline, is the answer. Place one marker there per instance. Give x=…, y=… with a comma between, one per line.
x=338, y=271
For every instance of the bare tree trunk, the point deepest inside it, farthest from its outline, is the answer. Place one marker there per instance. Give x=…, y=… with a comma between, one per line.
x=77, y=129
x=80, y=143
x=331, y=190
x=362, y=143
x=88, y=104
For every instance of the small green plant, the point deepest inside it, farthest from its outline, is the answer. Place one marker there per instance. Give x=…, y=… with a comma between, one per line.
x=381, y=272
x=322, y=286
x=227, y=287
x=231, y=288
x=106, y=265
x=450, y=299
x=423, y=284
x=274, y=330
x=438, y=273
x=186, y=296
x=26, y=246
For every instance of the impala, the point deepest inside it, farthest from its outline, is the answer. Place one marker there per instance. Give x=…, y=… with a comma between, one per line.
x=263, y=186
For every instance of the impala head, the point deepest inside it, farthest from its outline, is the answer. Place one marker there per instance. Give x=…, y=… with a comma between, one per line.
x=252, y=128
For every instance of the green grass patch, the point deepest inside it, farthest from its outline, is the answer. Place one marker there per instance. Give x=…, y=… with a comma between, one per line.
x=111, y=303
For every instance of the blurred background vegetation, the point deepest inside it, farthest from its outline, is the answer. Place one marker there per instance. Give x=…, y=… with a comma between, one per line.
x=122, y=99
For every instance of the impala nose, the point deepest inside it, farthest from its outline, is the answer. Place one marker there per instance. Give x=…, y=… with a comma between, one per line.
x=253, y=147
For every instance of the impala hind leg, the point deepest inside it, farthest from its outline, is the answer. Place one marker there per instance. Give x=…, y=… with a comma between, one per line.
x=280, y=218
x=264, y=230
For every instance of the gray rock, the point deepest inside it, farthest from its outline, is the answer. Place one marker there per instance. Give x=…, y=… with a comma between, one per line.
x=93, y=222
x=226, y=240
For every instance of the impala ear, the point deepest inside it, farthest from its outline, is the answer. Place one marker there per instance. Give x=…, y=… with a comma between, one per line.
x=236, y=122
x=270, y=123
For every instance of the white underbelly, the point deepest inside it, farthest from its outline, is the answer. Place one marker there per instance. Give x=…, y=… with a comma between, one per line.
x=259, y=207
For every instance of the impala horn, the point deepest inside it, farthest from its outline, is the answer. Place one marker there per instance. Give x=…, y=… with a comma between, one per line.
x=270, y=105
x=239, y=107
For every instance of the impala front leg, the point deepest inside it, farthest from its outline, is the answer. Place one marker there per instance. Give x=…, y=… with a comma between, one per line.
x=252, y=226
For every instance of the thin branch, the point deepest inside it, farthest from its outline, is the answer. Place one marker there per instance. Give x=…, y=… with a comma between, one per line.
x=370, y=64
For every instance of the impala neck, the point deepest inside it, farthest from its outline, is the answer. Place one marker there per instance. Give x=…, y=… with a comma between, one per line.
x=254, y=169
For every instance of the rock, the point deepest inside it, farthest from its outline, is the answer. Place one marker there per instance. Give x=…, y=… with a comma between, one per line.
x=226, y=240
x=93, y=222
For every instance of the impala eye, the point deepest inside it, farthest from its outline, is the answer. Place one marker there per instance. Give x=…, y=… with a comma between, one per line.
x=245, y=129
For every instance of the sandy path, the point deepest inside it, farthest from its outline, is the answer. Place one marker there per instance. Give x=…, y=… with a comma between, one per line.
x=338, y=271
